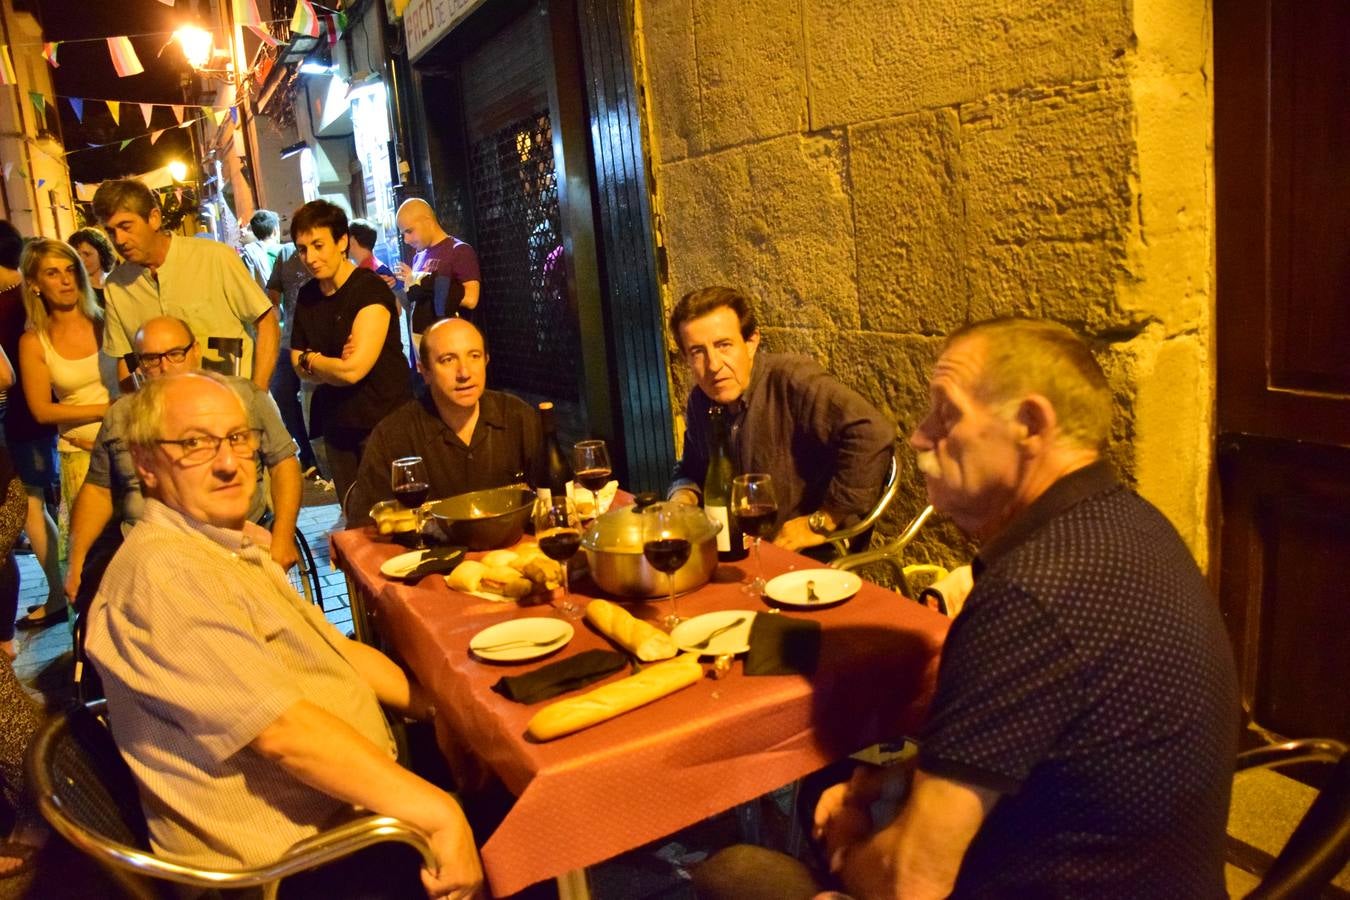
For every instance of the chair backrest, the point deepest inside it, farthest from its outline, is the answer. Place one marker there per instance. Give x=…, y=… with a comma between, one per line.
x=1320, y=845
x=892, y=554
x=231, y=352
x=858, y=536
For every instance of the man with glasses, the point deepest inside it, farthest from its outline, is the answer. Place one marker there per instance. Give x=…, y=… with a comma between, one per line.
x=110, y=501
x=247, y=720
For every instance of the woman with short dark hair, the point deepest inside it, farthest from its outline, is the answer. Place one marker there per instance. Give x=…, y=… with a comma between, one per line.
x=96, y=252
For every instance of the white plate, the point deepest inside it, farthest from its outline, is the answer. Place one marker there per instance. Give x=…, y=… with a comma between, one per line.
x=734, y=640
x=399, y=566
x=521, y=639
x=831, y=586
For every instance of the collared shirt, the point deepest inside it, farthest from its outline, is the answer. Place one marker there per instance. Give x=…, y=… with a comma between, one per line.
x=197, y=661
x=289, y=275
x=204, y=283
x=1089, y=680
x=111, y=465
x=825, y=446
x=507, y=446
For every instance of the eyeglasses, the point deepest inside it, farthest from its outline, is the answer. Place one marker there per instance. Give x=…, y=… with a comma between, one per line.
x=203, y=448
x=173, y=355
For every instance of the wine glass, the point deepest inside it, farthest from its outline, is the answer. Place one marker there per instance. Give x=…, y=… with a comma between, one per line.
x=666, y=547
x=754, y=506
x=592, y=469
x=408, y=478
x=558, y=530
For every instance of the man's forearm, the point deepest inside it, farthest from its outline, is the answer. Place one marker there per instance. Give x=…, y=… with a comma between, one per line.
x=389, y=682
x=92, y=512
x=285, y=488
x=265, y=347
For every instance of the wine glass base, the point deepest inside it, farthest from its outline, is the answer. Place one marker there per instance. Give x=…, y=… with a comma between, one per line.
x=669, y=621
x=566, y=609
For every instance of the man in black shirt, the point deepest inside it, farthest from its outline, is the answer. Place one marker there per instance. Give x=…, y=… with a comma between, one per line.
x=469, y=438
x=1082, y=737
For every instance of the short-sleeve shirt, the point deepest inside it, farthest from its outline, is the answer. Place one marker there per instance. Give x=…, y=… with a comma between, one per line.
x=323, y=324
x=451, y=260
x=204, y=283
x=289, y=274
x=1089, y=679
x=111, y=465
x=197, y=662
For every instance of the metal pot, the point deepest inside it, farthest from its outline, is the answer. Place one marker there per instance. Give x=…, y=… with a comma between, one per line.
x=613, y=545
x=484, y=520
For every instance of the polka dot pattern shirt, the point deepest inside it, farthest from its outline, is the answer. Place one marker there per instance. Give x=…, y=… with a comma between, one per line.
x=1089, y=680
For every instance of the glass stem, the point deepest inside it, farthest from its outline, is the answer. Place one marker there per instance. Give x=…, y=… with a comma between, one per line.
x=670, y=580
x=759, y=567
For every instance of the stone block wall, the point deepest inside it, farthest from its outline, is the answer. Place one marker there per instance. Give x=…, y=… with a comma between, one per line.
x=877, y=174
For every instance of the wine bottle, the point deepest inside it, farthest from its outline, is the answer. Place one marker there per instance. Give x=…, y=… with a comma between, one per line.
x=717, y=488
x=559, y=469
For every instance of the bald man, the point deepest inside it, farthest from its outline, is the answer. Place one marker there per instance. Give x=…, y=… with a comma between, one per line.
x=470, y=438
x=444, y=279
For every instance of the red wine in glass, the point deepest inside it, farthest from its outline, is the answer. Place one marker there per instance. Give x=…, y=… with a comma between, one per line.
x=561, y=545
x=412, y=495
x=667, y=554
x=593, y=479
x=757, y=519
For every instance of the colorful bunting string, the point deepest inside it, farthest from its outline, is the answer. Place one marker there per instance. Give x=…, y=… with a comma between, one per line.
x=147, y=110
x=115, y=107
x=49, y=53
x=124, y=57
x=39, y=103
x=306, y=20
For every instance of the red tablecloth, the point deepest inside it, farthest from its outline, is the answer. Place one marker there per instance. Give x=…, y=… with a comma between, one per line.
x=592, y=795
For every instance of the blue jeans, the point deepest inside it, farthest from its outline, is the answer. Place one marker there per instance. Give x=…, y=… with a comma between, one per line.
x=285, y=388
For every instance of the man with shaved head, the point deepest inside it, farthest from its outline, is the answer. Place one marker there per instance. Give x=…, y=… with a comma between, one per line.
x=443, y=280
x=470, y=438
x=110, y=500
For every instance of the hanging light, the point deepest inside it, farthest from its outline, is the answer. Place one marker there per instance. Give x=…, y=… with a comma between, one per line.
x=197, y=45
x=178, y=170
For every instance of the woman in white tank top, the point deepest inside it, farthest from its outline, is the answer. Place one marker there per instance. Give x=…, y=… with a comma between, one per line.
x=59, y=354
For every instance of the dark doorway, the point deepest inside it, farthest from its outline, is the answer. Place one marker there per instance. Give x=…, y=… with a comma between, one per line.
x=1282, y=161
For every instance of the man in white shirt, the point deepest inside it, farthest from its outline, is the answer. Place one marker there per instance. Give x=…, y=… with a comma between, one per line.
x=204, y=283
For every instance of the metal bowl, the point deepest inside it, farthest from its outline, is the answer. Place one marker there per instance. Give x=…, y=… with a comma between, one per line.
x=613, y=545
x=484, y=520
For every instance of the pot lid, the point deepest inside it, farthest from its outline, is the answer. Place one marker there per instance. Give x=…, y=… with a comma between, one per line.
x=621, y=530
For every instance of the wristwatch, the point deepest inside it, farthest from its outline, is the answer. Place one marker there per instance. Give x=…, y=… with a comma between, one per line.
x=817, y=522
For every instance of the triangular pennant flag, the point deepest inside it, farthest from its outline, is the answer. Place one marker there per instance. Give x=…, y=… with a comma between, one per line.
x=41, y=182
x=178, y=113
x=220, y=114
x=178, y=195
x=77, y=104
x=124, y=57
x=123, y=145
x=208, y=110
x=39, y=103
x=49, y=53
x=147, y=110
x=7, y=75
x=154, y=135
x=234, y=114
x=115, y=108
x=8, y=167
x=330, y=26
x=305, y=20
x=246, y=14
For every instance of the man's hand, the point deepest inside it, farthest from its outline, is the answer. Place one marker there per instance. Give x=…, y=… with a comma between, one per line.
x=840, y=822
x=72, y=585
x=390, y=281
x=955, y=588
x=285, y=554
x=459, y=873
x=686, y=496
x=796, y=534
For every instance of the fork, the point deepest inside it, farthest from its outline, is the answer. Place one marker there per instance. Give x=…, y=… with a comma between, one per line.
x=512, y=645
x=703, y=644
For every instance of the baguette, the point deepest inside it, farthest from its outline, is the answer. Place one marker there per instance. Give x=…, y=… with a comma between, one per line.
x=604, y=703
x=642, y=640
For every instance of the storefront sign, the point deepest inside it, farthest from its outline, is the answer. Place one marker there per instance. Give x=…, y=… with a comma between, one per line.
x=427, y=21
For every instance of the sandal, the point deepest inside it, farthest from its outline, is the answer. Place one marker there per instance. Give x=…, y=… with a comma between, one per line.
x=26, y=854
x=33, y=621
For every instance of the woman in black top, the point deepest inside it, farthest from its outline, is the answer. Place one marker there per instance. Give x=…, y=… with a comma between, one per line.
x=346, y=340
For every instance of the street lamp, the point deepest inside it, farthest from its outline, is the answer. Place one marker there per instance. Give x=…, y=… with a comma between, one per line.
x=178, y=170
x=197, y=45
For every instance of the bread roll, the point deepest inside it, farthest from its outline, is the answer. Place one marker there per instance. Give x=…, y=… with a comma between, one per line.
x=506, y=581
x=610, y=700
x=545, y=572
x=637, y=637
x=467, y=576
x=498, y=558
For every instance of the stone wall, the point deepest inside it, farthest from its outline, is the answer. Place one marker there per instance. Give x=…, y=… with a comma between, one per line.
x=877, y=174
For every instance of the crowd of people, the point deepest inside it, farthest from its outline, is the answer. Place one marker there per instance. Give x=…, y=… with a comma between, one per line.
x=1082, y=735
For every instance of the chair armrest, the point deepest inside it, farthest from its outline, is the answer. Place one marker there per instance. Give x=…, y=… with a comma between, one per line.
x=892, y=554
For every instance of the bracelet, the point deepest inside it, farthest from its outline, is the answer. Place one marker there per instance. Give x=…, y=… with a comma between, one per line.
x=304, y=362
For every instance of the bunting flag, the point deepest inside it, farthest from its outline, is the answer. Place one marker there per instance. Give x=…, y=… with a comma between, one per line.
x=8, y=167
x=234, y=114
x=49, y=53
x=41, y=182
x=7, y=75
x=147, y=110
x=246, y=14
x=122, y=146
x=39, y=103
x=77, y=104
x=154, y=135
x=178, y=195
x=220, y=114
x=115, y=108
x=178, y=114
x=124, y=57
x=305, y=20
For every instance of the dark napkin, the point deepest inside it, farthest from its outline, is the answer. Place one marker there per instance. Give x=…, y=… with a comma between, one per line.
x=782, y=645
x=561, y=676
x=437, y=559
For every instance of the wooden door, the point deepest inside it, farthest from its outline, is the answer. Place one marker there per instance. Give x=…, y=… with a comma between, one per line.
x=1282, y=161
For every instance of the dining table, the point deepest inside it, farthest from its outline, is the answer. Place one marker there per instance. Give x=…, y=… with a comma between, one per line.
x=594, y=794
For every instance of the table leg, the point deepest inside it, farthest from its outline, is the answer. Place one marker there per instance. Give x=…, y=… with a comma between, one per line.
x=573, y=885
x=361, y=624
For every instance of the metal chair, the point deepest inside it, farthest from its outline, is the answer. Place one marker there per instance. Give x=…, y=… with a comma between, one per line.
x=1320, y=845
x=840, y=543
x=891, y=554
x=231, y=352
x=87, y=793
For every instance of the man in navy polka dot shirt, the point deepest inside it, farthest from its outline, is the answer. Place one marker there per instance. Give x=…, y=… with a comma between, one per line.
x=1082, y=737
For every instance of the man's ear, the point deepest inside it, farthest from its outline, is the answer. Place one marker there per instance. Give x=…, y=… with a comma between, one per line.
x=753, y=342
x=1035, y=418
x=156, y=218
x=141, y=458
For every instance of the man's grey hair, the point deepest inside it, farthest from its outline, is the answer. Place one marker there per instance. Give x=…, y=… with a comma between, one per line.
x=146, y=407
x=1034, y=356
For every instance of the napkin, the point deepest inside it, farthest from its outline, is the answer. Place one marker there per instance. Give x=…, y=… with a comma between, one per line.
x=782, y=645
x=561, y=676
x=437, y=559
